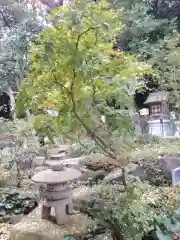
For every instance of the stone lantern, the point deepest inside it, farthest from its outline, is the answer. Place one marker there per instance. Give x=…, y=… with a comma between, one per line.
x=159, y=115
x=58, y=194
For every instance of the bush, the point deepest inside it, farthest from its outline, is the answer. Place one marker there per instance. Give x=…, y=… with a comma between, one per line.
x=150, y=152
x=18, y=158
x=137, y=210
x=21, y=162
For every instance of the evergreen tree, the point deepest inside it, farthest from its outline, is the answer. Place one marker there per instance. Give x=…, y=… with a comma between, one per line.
x=19, y=23
x=153, y=36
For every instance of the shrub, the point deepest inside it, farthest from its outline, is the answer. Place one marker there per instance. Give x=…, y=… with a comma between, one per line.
x=18, y=158
x=137, y=210
x=21, y=162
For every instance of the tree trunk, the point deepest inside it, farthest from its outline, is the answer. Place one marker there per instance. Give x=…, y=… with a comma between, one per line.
x=108, y=150
x=12, y=100
x=124, y=176
x=116, y=236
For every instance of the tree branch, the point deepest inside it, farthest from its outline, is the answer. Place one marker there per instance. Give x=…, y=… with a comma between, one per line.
x=107, y=149
x=83, y=33
x=96, y=138
x=5, y=20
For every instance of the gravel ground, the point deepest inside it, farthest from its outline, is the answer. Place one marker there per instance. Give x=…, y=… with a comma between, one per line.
x=4, y=230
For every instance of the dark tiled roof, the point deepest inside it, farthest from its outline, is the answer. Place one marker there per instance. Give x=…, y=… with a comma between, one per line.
x=156, y=97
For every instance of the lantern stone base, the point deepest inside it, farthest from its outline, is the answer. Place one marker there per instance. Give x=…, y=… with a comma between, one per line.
x=32, y=227
x=60, y=208
x=159, y=129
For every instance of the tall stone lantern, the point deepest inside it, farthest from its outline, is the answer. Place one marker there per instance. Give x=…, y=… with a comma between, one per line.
x=159, y=115
x=58, y=194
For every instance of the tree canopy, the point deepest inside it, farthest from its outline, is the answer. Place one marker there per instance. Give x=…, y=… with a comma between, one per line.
x=151, y=31
x=19, y=21
x=74, y=69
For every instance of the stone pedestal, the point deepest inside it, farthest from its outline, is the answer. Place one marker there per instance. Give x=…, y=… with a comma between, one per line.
x=160, y=128
x=62, y=208
x=58, y=197
x=39, y=161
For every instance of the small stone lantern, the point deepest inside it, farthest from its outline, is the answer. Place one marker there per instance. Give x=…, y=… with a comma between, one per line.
x=58, y=194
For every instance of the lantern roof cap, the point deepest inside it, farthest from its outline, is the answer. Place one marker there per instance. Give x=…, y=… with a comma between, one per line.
x=56, y=175
x=156, y=97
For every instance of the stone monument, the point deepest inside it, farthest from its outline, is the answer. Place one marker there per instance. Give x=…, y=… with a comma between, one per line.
x=176, y=176
x=58, y=194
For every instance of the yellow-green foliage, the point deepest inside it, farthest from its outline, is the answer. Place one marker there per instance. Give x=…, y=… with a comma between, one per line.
x=73, y=64
x=45, y=125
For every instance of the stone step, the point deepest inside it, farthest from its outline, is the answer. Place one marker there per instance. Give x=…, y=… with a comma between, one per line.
x=59, y=149
x=69, y=162
x=59, y=156
x=39, y=161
